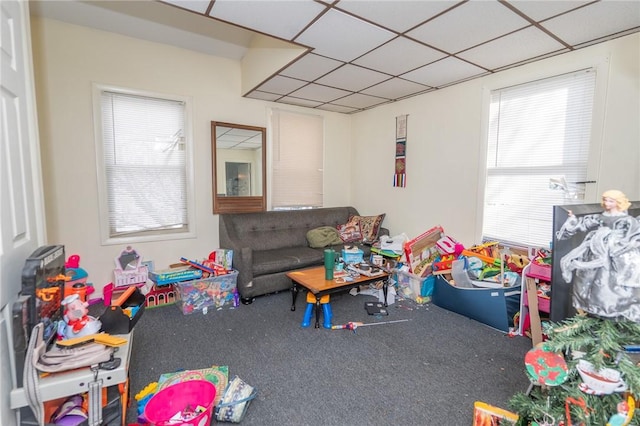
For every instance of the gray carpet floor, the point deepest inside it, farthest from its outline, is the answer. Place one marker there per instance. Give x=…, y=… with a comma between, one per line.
x=428, y=370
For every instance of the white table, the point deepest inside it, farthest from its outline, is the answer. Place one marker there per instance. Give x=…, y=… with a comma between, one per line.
x=60, y=385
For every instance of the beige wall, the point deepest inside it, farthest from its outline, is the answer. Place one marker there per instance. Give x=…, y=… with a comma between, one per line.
x=68, y=60
x=446, y=133
x=445, y=137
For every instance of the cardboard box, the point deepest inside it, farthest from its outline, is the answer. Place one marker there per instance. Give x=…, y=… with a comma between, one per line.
x=208, y=293
x=355, y=256
x=174, y=275
x=494, y=307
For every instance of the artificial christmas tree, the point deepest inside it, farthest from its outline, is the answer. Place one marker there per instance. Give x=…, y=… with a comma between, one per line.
x=604, y=343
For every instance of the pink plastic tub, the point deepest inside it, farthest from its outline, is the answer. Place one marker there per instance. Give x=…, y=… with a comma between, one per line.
x=179, y=402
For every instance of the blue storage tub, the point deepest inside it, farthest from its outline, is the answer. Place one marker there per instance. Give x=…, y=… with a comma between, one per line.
x=494, y=307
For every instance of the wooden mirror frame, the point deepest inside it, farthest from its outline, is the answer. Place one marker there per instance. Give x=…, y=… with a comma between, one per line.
x=238, y=204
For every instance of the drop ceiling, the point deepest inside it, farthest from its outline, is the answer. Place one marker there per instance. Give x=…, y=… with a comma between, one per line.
x=353, y=55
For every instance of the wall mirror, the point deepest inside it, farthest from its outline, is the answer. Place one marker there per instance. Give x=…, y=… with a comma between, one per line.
x=238, y=167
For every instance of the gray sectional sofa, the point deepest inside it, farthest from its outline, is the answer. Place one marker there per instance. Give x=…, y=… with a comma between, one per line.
x=266, y=245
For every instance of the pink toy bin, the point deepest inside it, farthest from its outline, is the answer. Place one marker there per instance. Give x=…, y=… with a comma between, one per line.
x=175, y=399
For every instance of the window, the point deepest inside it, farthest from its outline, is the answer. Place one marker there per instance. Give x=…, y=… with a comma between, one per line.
x=143, y=148
x=537, y=155
x=296, y=165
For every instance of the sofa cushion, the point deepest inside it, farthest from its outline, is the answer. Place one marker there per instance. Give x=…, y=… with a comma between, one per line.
x=350, y=232
x=277, y=229
x=323, y=236
x=369, y=226
x=284, y=259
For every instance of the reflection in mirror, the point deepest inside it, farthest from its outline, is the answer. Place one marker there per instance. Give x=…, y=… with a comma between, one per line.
x=239, y=179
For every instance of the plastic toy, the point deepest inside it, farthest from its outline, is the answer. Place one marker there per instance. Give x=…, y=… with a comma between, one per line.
x=143, y=397
x=197, y=265
x=129, y=268
x=77, y=319
x=446, y=245
x=354, y=325
x=76, y=279
x=327, y=313
x=71, y=413
x=151, y=388
x=487, y=259
x=625, y=413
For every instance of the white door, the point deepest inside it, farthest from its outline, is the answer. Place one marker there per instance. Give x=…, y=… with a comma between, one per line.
x=21, y=200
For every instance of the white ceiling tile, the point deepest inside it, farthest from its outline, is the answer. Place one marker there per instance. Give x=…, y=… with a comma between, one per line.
x=282, y=18
x=351, y=77
x=506, y=50
x=399, y=56
x=595, y=21
x=320, y=93
x=300, y=102
x=358, y=100
x=256, y=94
x=468, y=25
x=337, y=108
x=281, y=85
x=543, y=9
x=199, y=6
x=356, y=43
x=443, y=72
x=395, y=88
x=311, y=67
x=343, y=37
x=396, y=15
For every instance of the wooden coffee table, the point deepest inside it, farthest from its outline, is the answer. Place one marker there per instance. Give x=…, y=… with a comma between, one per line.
x=313, y=280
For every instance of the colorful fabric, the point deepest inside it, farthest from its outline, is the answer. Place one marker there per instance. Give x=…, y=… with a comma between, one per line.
x=350, y=232
x=400, y=173
x=369, y=226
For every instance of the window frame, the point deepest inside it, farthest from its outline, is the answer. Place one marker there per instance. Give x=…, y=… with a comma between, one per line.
x=102, y=189
x=592, y=193
x=273, y=133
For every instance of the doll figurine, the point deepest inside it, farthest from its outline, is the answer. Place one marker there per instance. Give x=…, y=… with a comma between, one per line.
x=76, y=316
x=622, y=417
x=605, y=267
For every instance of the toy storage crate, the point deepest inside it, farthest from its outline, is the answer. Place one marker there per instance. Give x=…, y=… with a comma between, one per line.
x=414, y=287
x=207, y=293
x=494, y=307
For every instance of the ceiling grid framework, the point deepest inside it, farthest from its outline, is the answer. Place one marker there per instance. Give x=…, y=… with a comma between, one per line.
x=359, y=54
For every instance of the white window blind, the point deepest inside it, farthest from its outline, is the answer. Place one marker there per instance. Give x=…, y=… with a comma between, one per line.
x=539, y=133
x=297, y=174
x=144, y=164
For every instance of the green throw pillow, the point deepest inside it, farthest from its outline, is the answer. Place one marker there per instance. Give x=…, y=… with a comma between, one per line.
x=323, y=236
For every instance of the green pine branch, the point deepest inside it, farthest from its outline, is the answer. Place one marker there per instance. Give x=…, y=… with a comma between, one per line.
x=599, y=341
